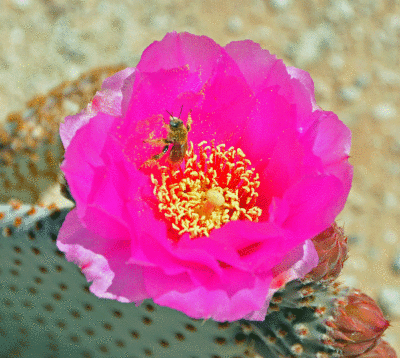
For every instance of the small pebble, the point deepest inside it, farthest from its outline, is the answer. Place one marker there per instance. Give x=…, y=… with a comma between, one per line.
x=390, y=200
x=374, y=253
x=396, y=264
x=322, y=89
x=390, y=237
x=388, y=77
x=384, y=111
x=363, y=80
x=17, y=36
x=235, y=24
x=389, y=300
x=344, y=8
x=312, y=43
x=336, y=62
x=350, y=93
x=280, y=4
x=357, y=263
x=70, y=107
x=21, y=3
x=349, y=280
x=160, y=22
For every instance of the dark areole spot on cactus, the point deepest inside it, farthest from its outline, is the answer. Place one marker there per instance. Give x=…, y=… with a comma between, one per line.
x=223, y=325
x=107, y=326
x=75, y=339
x=88, y=307
x=8, y=303
x=89, y=331
x=59, y=253
x=179, y=336
x=32, y=290
x=40, y=320
x=61, y=324
x=220, y=340
x=75, y=314
x=7, y=232
x=103, y=349
x=59, y=268
x=117, y=314
x=135, y=334
x=48, y=308
x=39, y=226
x=191, y=328
x=43, y=269
x=57, y=296
x=149, y=307
x=120, y=343
x=146, y=320
x=164, y=343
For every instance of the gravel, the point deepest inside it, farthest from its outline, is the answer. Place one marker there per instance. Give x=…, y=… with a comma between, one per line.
x=389, y=300
x=384, y=111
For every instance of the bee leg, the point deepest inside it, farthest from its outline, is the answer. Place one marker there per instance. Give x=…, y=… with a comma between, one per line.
x=154, y=158
x=157, y=142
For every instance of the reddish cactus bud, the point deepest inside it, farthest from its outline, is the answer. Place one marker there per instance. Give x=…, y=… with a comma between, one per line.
x=382, y=350
x=331, y=246
x=358, y=324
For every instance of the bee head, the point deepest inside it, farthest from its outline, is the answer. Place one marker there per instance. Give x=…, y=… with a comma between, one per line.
x=175, y=122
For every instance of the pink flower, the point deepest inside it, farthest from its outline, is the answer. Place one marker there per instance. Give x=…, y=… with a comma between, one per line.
x=215, y=235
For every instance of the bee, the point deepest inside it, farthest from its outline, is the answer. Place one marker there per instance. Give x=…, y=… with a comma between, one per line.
x=177, y=137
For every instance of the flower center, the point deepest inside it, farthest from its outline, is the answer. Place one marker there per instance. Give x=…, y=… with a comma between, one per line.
x=216, y=186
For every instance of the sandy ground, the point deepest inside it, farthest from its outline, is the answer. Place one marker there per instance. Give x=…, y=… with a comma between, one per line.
x=351, y=49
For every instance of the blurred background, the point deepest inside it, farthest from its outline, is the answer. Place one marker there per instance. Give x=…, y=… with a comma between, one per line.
x=350, y=47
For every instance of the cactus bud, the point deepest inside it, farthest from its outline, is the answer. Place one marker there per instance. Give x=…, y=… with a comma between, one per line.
x=382, y=350
x=331, y=245
x=358, y=324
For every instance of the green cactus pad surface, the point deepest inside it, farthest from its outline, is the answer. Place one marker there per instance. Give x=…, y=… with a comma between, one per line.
x=295, y=323
x=47, y=310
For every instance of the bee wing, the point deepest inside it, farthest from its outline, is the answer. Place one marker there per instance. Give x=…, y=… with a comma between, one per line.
x=141, y=144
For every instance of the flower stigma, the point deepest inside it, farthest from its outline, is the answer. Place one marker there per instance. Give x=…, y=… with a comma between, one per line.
x=214, y=187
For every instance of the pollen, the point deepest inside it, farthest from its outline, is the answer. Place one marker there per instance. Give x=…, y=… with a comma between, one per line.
x=213, y=187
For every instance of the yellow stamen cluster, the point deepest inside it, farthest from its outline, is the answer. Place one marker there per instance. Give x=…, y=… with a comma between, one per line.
x=214, y=187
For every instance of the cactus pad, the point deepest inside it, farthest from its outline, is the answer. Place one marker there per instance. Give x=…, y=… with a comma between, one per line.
x=47, y=310
x=295, y=323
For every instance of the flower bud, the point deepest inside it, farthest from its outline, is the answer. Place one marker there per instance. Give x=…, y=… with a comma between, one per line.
x=358, y=324
x=382, y=350
x=331, y=245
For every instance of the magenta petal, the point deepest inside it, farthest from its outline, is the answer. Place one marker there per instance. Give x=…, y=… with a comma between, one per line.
x=107, y=101
x=201, y=303
x=79, y=169
x=307, y=82
x=184, y=49
x=94, y=266
x=313, y=198
x=71, y=124
x=257, y=65
x=298, y=262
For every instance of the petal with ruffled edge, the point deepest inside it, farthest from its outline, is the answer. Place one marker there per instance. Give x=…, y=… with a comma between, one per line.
x=107, y=101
